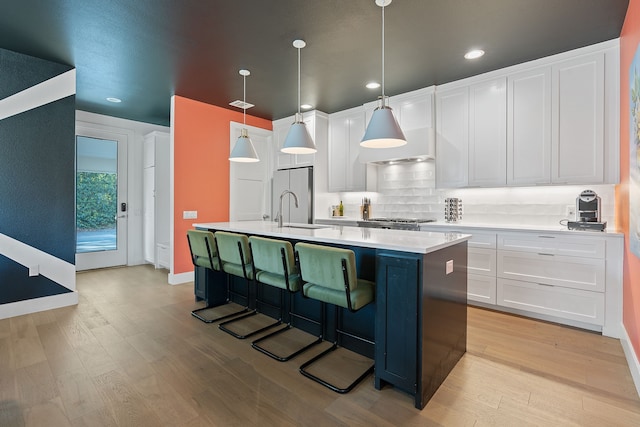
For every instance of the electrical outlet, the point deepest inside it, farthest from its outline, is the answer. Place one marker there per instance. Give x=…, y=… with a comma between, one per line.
x=189, y=214
x=571, y=211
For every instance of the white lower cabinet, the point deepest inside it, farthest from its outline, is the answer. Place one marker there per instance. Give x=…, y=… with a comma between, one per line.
x=481, y=273
x=481, y=288
x=556, y=301
x=572, y=278
x=553, y=274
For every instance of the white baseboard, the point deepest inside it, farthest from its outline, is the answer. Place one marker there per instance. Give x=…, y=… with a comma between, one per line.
x=35, y=305
x=632, y=358
x=178, y=279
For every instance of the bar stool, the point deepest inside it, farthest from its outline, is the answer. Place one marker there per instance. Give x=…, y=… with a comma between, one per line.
x=267, y=266
x=274, y=265
x=204, y=253
x=235, y=259
x=329, y=275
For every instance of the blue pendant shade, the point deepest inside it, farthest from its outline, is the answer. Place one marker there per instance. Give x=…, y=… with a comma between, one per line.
x=383, y=130
x=244, y=151
x=298, y=140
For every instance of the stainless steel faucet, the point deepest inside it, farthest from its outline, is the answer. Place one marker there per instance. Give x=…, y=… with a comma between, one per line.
x=295, y=199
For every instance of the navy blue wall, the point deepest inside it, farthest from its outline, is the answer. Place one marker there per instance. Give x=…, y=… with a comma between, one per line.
x=37, y=176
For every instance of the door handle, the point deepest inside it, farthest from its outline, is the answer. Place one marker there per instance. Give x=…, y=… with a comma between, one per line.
x=120, y=216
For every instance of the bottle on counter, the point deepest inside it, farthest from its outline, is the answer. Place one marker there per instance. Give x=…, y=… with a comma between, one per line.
x=341, y=209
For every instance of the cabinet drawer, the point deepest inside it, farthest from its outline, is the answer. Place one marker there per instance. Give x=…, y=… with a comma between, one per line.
x=481, y=289
x=571, y=272
x=582, y=246
x=479, y=239
x=481, y=261
x=564, y=303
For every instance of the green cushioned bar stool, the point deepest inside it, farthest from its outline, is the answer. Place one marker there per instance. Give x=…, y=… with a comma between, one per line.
x=274, y=265
x=204, y=253
x=329, y=275
x=235, y=259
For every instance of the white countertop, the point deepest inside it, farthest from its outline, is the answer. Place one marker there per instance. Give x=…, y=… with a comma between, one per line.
x=462, y=226
x=397, y=240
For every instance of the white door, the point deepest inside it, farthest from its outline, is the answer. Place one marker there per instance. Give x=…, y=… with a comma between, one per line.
x=249, y=190
x=101, y=198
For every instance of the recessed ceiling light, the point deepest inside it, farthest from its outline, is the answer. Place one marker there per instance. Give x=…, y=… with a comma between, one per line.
x=473, y=54
x=373, y=85
x=114, y=100
x=306, y=106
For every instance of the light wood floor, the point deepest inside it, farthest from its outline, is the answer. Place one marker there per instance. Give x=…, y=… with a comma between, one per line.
x=130, y=354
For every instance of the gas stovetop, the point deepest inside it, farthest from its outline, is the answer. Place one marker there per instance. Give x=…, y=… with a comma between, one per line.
x=395, y=223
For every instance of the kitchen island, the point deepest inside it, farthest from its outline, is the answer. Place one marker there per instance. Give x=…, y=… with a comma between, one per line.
x=418, y=320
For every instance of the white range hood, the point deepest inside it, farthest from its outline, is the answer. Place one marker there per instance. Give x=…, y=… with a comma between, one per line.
x=420, y=146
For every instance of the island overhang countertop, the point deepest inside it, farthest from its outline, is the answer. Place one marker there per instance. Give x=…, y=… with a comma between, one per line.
x=396, y=240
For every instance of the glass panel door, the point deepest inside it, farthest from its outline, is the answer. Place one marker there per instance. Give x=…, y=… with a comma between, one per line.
x=101, y=210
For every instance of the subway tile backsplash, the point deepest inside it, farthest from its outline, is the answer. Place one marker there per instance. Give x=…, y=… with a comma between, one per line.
x=408, y=190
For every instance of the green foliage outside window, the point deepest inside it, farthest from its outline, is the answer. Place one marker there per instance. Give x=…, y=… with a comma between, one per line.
x=96, y=200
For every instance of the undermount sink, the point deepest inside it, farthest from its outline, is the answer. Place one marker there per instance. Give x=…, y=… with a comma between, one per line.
x=307, y=226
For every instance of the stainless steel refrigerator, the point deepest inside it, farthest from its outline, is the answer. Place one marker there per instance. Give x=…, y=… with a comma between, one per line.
x=300, y=181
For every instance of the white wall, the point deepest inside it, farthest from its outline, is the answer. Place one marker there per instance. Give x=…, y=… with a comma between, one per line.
x=135, y=254
x=408, y=191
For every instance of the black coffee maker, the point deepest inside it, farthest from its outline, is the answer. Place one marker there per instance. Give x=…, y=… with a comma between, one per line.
x=588, y=206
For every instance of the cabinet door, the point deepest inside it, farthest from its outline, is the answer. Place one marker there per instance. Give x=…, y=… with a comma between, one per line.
x=338, y=152
x=452, y=138
x=148, y=211
x=356, y=171
x=481, y=289
x=280, y=131
x=529, y=127
x=487, y=133
x=578, y=121
x=481, y=261
x=346, y=172
x=397, y=320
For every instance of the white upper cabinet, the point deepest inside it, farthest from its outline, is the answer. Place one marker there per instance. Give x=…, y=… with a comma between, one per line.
x=452, y=137
x=550, y=121
x=471, y=135
x=346, y=172
x=577, y=107
x=488, y=133
x=281, y=129
x=529, y=127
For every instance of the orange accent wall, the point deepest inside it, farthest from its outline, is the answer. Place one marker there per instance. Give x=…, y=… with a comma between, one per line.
x=629, y=41
x=201, y=168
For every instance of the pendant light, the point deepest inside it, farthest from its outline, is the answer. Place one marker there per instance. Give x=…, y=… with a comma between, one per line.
x=244, y=151
x=298, y=140
x=383, y=130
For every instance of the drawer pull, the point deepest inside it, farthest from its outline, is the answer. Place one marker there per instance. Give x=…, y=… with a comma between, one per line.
x=539, y=253
x=547, y=285
x=547, y=237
